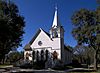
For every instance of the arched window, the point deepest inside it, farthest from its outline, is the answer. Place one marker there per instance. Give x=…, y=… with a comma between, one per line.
x=55, y=34
x=42, y=55
x=33, y=54
x=47, y=54
x=27, y=56
x=37, y=55
x=55, y=55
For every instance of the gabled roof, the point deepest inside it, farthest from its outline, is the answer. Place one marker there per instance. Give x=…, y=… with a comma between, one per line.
x=46, y=33
x=38, y=32
x=27, y=47
x=67, y=48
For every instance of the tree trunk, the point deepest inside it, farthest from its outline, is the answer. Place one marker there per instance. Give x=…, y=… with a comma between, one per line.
x=95, y=60
x=3, y=61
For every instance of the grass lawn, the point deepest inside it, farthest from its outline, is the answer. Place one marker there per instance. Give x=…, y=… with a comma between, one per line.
x=85, y=72
x=4, y=65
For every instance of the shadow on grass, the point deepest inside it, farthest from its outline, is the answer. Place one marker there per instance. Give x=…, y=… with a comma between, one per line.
x=23, y=72
x=83, y=71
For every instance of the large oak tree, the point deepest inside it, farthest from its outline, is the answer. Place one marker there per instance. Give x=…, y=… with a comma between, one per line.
x=87, y=29
x=11, y=27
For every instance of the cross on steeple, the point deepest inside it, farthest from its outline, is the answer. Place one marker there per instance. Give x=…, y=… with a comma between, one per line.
x=56, y=7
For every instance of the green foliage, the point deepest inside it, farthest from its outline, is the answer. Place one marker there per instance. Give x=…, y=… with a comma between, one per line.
x=11, y=27
x=15, y=56
x=87, y=29
x=83, y=54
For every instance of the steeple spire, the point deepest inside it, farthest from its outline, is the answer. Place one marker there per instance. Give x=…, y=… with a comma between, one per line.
x=55, y=20
x=56, y=29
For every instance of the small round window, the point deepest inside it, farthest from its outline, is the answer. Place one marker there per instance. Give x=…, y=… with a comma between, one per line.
x=39, y=43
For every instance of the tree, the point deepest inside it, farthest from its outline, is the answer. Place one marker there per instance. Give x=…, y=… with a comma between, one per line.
x=14, y=57
x=83, y=54
x=87, y=29
x=11, y=27
x=79, y=53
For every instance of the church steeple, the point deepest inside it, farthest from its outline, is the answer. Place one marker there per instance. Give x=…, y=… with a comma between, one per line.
x=55, y=20
x=56, y=30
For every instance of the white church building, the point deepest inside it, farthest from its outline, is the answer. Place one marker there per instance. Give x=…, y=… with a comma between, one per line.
x=46, y=45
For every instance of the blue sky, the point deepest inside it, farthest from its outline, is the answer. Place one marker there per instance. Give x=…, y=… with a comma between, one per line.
x=40, y=13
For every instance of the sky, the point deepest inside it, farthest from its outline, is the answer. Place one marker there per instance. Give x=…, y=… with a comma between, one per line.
x=40, y=14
